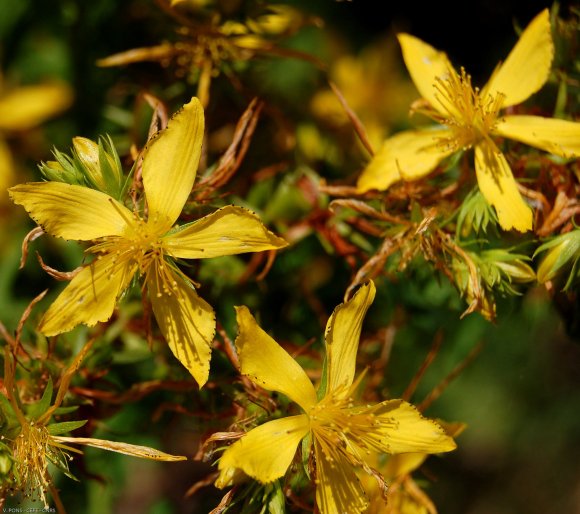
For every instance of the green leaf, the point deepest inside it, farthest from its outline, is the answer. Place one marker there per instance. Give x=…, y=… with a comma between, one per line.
x=65, y=427
x=8, y=412
x=39, y=408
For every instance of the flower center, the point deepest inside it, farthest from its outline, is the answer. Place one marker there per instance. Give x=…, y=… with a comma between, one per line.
x=470, y=113
x=338, y=423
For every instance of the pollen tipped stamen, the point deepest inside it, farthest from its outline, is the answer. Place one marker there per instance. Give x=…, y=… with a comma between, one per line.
x=33, y=449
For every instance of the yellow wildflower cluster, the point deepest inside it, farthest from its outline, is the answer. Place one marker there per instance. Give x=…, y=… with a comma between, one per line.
x=320, y=431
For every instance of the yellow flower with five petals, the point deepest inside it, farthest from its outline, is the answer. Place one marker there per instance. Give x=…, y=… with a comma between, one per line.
x=127, y=243
x=342, y=432
x=469, y=117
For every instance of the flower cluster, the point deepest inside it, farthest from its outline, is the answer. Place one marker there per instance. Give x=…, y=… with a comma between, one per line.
x=182, y=225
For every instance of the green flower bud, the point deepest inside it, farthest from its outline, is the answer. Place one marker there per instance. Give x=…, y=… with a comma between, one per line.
x=475, y=214
x=563, y=253
x=100, y=164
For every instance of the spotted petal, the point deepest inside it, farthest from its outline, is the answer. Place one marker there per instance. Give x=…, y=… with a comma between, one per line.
x=228, y=231
x=186, y=321
x=427, y=66
x=498, y=186
x=342, y=337
x=409, y=155
x=338, y=489
x=527, y=67
x=266, y=452
x=72, y=212
x=90, y=297
x=170, y=165
x=267, y=364
x=559, y=137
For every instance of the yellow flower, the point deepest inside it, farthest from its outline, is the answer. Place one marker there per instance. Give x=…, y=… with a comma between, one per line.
x=403, y=496
x=33, y=442
x=342, y=432
x=369, y=82
x=469, y=117
x=127, y=243
x=22, y=109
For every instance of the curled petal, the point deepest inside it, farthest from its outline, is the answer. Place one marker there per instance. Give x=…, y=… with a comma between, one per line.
x=267, y=364
x=186, y=321
x=90, y=297
x=228, y=231
x=527, y=67
x=342, y=337
x=266, y=452
x=498, y=186
x=72, y=212
x=338, y=489
x=559, y=137
x=427, y=66
x=170, y=165
x=409, y=155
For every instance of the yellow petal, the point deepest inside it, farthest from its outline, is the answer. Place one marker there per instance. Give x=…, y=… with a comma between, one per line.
x=338, y=489
x=266, y=452
x=143, y=452
x=267, y=364
x=6, y=171
x=425, y=65
x=342, y=337
x=29, y=106
x=186, y=321
x=402, y=464
x=559, y=137
x=228, y=231
x=409, y=155
x=398, y=427
x=170, y=164
x=90, y=297
x=498, y=186
x=72, y=212
x=527, y=67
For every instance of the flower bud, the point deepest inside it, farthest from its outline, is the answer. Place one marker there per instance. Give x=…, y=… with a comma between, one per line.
x=99, y=164
x=563, y=253
x=87, y=152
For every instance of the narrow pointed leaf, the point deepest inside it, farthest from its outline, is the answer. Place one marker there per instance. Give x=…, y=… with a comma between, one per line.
x=65, y=427
x=134, y=450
